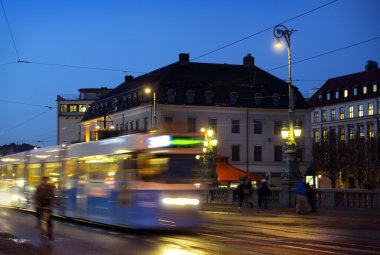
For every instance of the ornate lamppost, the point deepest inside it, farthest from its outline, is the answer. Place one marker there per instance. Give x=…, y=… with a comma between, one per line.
x=288, y=134
x=209, y=145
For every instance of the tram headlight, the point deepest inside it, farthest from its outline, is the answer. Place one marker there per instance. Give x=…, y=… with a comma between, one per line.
x=180, y=201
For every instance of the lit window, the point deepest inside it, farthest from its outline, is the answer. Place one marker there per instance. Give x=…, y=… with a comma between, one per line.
x=324, y=134
x=324, y=115
x=342, y=134
x=374, y=87
x=365, y=90
x=346, y=93
x=351, y=132
x=316, y=117
x=371, y=130
x=332, y=114
x=63, y=108
x=316, y=135
x=341, y=113
x=351, y=111
x=73, y=108
x=82, y=108
x=370, y=109
x=360, y=110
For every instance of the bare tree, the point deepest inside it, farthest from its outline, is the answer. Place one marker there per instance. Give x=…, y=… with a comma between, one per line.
x=330, y=157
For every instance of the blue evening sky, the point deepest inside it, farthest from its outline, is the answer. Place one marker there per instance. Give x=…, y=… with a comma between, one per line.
x=140, y=36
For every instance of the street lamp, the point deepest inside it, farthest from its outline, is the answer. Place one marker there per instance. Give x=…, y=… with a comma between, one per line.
x=289, y=134
x=148, y=90
x=209, y=144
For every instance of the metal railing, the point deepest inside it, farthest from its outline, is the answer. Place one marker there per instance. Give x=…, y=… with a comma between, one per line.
x=324, y=198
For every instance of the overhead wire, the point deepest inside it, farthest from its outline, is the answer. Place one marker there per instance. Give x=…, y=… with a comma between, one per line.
x=10, y=30
x=37, y=105
x=26, y=121
x=325, y=53
x=262, y=31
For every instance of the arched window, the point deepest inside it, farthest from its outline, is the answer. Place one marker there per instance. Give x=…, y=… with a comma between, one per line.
x=276, y=99
x=234, y=96
x=209, y=95
x=171, y=94
x=190, y=94
x=258, y=98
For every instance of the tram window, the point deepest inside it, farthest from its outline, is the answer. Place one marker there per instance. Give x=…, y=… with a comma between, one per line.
x=169, y=169
x=34, y=171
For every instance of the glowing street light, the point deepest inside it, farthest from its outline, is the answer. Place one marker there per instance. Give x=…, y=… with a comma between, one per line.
x=149, y=90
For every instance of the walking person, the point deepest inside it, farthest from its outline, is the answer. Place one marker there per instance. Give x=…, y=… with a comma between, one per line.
x=300, y=191
x=310, y=197
x=264, y=192
x=43, y=199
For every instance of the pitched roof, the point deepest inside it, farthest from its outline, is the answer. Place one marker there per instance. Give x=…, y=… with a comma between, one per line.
x=221, y=79
x=349, y=82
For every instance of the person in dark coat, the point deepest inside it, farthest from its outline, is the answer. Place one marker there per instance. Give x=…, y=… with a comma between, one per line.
x=310, y=197
x=264, y=192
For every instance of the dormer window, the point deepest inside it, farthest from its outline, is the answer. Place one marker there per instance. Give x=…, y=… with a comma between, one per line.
x=346, y=93
x=355, y=91
x=320, y=97
x=374, y=88
x=209, y=96
x=337, y=94
x=365, y=90
x=258, y=98
x=234, y=97
x=190, y=94
x=171, y=94
x=328, y=96
x=276, y=99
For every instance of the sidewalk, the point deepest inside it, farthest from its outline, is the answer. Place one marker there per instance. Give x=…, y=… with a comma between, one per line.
x=10, y=245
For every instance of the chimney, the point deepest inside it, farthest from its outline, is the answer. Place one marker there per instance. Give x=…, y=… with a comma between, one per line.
x=184, y=58
x=371, y=65
x=248, y=60
x=128, y=78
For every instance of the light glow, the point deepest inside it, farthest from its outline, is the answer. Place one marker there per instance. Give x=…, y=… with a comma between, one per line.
x=159, y=141
x=180, y=201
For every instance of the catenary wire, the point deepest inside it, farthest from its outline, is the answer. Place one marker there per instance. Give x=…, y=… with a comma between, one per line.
x=37, y=105
x=10, y=30
x=325, y=53
x=262, y=31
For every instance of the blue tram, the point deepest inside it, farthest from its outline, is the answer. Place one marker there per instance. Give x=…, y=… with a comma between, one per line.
x=139, y=180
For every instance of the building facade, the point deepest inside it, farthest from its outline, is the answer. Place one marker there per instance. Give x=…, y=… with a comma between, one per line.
x=348, y=106
x=70, y=111
x=244, y=105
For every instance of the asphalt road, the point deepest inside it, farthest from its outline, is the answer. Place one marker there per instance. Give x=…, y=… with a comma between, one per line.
x=226, y=231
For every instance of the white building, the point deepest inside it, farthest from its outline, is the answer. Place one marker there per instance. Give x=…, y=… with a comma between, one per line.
x=70, y=111
x=245, y=106
x=348, y=105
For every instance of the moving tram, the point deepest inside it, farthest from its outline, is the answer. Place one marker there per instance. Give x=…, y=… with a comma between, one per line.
x=139, y=180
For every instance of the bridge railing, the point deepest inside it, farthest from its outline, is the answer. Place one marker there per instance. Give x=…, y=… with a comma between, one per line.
x=325, y=198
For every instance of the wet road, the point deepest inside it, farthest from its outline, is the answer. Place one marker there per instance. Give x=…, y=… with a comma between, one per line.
x=272, y=231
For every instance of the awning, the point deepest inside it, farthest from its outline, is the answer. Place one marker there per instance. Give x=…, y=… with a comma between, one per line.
x=227, y=172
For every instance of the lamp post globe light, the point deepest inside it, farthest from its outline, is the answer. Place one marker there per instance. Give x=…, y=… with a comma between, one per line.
x=293, y=131
x=148, y=90
x=209, y=146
